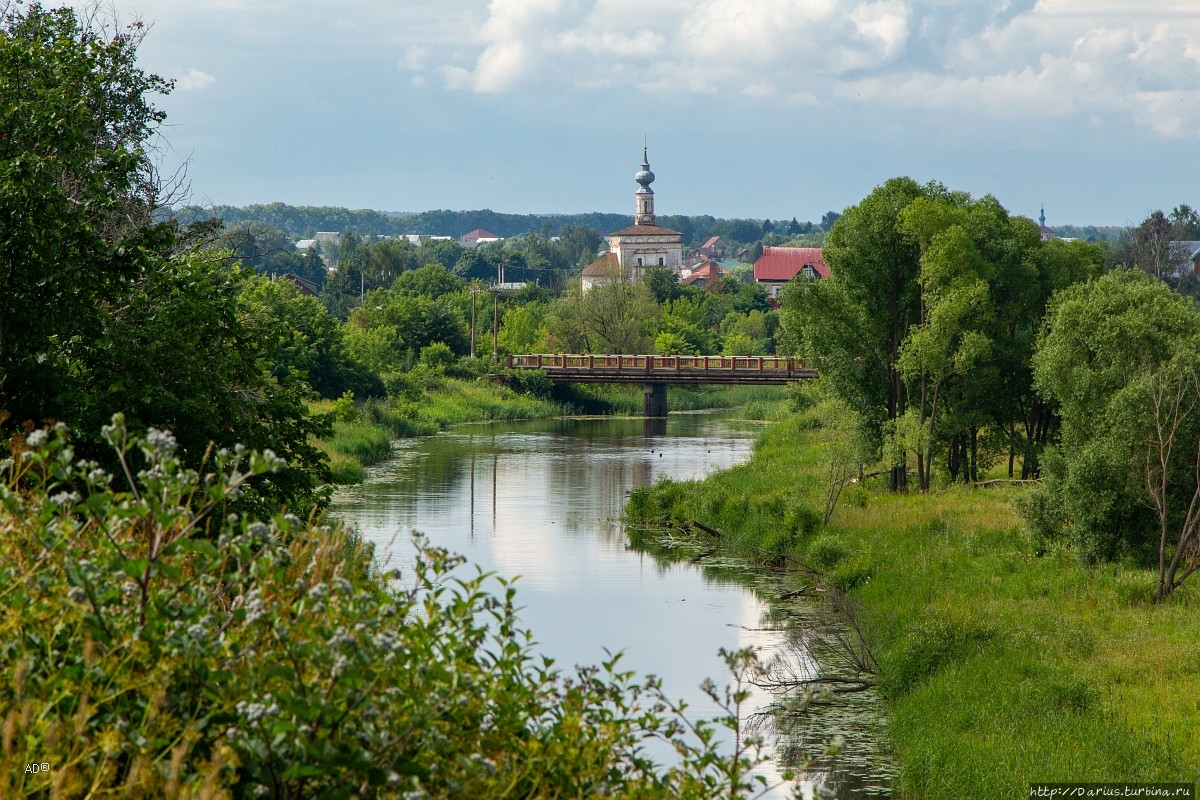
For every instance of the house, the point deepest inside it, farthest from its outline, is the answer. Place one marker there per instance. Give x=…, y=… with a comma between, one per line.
x=778, y=265
x=706, y=274
x=711, y=250
x=477, y=237
x=307, y=288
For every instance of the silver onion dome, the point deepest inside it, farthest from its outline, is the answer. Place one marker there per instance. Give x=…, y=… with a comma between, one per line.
x=644, y=176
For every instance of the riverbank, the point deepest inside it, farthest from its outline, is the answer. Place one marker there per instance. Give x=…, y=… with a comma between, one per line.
x=999, y=665
x=429, y=403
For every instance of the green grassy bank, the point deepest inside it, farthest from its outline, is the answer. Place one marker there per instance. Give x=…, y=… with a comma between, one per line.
x=999, y=665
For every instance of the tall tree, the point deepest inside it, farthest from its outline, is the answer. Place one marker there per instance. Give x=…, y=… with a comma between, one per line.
x=1107, y=350
x=851, y=326
x=949, y=341
x=78, y=191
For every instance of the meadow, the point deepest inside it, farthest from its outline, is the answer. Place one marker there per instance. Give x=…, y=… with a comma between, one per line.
x=1001, y=661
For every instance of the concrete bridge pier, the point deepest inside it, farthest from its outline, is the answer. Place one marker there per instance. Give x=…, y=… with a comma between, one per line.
x=655, y=400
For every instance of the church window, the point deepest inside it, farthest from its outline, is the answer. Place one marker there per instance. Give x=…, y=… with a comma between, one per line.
x=639, y=262
x=660, y=261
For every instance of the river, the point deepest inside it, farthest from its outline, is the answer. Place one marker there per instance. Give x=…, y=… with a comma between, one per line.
x=542, y=501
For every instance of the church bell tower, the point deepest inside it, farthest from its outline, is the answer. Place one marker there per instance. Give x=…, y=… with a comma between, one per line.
x=644, y=206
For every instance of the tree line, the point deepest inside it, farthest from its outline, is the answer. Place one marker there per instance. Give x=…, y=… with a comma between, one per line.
x=302, y=222
x=962, y=343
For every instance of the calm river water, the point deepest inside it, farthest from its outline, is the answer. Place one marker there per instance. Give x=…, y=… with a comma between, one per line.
x=543, y=500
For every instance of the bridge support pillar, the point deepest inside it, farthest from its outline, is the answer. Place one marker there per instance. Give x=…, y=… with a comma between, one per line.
x=655, y=400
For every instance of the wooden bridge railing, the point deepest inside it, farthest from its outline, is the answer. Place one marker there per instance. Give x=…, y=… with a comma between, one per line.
x=655, y=364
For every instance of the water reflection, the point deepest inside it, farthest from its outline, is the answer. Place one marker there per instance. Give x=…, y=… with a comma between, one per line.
x=543, y=500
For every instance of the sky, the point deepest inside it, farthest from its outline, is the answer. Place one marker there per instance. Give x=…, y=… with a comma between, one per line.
x=751, y=108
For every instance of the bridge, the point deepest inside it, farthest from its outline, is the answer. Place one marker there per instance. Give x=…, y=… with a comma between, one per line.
x=655, y=372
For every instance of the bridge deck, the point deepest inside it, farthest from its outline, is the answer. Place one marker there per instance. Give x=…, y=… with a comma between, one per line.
x=665, y=369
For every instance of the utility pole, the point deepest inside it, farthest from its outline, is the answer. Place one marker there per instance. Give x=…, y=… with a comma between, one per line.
x=495, y=327
x=474, y=289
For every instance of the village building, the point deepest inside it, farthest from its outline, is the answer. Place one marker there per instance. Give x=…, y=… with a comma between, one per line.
x=642, y=246
x=477, y=237
x=1047, y=233
x=705, y=275
x=712, y=250
x=779, y=265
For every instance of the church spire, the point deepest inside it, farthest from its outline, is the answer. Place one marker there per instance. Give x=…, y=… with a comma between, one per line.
x=644, y=198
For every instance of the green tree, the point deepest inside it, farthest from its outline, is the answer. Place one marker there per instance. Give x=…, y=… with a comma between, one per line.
x=523, y=329
x=580, y=243
x=947, y=342
x=612, y=317
x=1108, y=349
x=77, y=194
x=1185, y=221
x=388, y=332
x=309, y=340
x=441, y=251
x=184, y=351
x=431, y=280
x=852, y=325
x=663, y=283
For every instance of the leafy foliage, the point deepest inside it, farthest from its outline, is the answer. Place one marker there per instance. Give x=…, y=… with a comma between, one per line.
x=1106, y=347
x=159, y=645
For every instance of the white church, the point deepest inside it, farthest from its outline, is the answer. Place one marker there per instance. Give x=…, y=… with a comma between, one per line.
x=635, y=249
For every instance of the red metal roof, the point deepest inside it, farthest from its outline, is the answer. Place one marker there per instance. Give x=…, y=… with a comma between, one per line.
x=784, y=263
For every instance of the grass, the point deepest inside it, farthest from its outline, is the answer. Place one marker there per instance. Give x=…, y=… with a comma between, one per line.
x=435, y=405
x=999, y=667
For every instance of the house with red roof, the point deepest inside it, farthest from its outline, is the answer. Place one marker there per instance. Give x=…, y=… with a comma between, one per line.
x=779, y=265
x=477, y=237
x=706, y=274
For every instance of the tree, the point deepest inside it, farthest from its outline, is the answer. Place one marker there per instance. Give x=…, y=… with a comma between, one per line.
x=663, y=283
x=1150, y=246
x=1185, y=221
x=1171, y=477
x=947, y=342
x=612, y=317
x=78, y=192
x=183, y=350
x=828, y=220
x=851, y=326
x=1113, y=356
x=431, y=280
x=308, y=339
x=388, y=332
x=580, y=244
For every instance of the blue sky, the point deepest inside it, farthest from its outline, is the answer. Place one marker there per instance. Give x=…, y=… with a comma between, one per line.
x=753, y=108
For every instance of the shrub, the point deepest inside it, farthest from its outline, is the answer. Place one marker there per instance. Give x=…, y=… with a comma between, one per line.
x=156, y=645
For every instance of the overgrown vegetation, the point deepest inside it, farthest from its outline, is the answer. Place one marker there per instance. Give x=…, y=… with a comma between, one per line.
x=159, y=644
x=1000, y=662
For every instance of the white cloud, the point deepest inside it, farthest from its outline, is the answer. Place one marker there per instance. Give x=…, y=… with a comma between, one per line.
x=194, y=80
